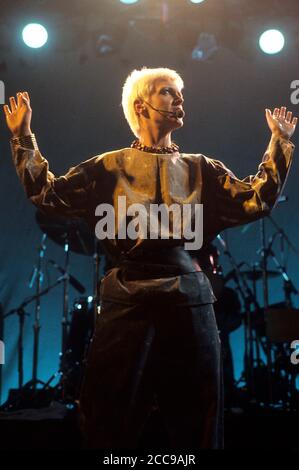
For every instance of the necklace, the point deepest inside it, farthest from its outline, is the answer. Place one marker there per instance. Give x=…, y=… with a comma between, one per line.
x=136, y=144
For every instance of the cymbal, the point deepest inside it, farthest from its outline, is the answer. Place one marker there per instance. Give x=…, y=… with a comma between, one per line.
x=74, y=231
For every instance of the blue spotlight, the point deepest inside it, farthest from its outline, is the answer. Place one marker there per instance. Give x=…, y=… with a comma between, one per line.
x=128, y=2
x=34, y=35
x=271, y=41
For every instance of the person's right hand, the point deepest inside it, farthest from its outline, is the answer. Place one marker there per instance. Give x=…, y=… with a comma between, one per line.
x=18, y=117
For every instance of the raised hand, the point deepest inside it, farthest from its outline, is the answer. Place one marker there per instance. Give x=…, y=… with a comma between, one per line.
x=18, y=116
x=281, y=122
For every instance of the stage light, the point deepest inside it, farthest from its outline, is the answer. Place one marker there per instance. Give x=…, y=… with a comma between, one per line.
x=205, y=47
x=35, y=35
x=104, y=45
x=271, y=41
x=196, y=1
x=109, y=39
x=128, y=2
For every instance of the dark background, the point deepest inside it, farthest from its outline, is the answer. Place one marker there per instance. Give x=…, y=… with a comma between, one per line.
x=76, y=95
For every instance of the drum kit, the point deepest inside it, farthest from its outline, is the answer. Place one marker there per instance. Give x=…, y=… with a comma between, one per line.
x=269, y=330
x=76, y=326
x=268, y=374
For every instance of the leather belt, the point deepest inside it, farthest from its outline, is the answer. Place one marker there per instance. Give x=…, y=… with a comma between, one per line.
x=172, y=261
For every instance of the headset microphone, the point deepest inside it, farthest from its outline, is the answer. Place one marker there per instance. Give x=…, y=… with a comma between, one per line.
x=178, y=113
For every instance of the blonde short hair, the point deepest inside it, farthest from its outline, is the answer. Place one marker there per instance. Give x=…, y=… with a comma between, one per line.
x=138, y=85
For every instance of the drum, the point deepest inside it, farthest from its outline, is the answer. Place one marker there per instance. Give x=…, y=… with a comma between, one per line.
x=79, y=336
x=282, y=324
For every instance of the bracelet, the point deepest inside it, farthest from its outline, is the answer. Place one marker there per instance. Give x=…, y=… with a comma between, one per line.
x=28, y=141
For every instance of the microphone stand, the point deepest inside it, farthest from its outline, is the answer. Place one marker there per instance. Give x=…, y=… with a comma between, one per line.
x=36, y=326
x=248, y=299
x=67, y=281
x=61, y=372
x=257, y=334
x=264, y=254
x=64, y=321
x=20, y=311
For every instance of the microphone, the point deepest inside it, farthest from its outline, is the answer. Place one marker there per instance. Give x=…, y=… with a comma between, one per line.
x=178, y=113
x=73, y=281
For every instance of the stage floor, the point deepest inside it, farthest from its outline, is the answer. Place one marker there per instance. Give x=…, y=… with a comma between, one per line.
x=56, y=428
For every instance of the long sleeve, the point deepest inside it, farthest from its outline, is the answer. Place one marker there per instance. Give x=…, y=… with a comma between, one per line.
x=65, y=195
x=235, y=201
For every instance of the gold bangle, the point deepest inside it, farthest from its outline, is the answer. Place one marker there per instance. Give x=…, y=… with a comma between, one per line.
x=28, y=141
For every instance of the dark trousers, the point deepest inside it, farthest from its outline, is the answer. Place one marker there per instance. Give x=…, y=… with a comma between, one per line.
x=153, y=353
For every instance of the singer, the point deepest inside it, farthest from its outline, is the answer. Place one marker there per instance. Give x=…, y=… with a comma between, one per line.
x=156, y=340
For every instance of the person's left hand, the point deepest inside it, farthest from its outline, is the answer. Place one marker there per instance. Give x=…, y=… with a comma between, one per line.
x=281, y=122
